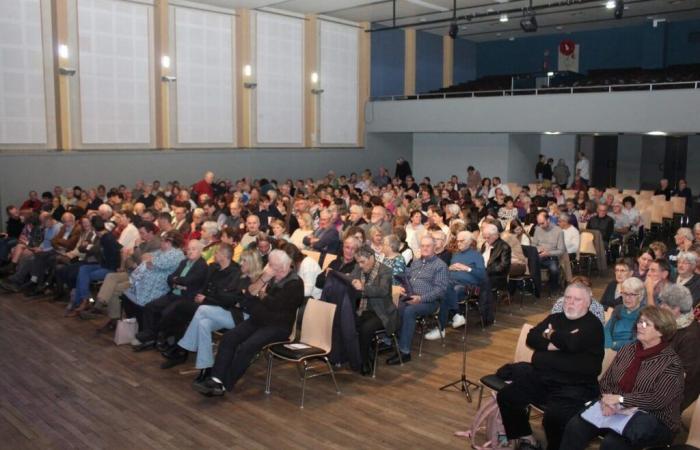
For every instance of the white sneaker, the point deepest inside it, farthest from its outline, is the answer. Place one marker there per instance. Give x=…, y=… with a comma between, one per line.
x=458, y=321
x=434, y=334
x=135, y=342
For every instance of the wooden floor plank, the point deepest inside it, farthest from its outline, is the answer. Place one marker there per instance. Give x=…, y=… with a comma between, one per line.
x=63, y=386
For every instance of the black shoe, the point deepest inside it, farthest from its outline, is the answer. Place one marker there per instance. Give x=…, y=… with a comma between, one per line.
x=525, y=445
x=366, y=369
x=203, y=375
x=209, y=387
x=144, y=345
x=110, y=326
x=385, y=348
x=395, y=361
x=181, y=358
x=174, y=352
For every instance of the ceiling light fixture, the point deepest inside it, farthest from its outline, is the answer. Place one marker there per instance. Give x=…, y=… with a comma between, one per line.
x=657, y=133
x=610, y=4
x=503, y=18
x=552, y=133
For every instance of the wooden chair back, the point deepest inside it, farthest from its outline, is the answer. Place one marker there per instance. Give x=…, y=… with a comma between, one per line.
x=317, y=326
x=396, y=294
x=587, y=245
x=312, y=254
x=328, y=259
x=678, y=205
x=694, y=433
x=523, y=353
x=607, y=360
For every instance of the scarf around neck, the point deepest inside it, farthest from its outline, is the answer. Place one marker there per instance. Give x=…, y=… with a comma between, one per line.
x=627, y=381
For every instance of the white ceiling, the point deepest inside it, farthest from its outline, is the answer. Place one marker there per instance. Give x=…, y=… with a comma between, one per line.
x=573, y=15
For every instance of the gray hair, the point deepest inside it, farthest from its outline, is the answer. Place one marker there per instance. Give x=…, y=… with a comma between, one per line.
x=357, y=209
x=355, y=242
x=677, y=296
x=696, y=227
x=584, y=288
x=280, y=257
x=105, y=208
x=490, y=229
x=393, y=242
x=691, y=257
x=196, y=243
x=453, y=209
x=211, y=227
x=685, y=232
x=364, y=251
x=635, y=285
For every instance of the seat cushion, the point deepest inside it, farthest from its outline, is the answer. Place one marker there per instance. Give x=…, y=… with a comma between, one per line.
x=290, y=353
x=493, y=382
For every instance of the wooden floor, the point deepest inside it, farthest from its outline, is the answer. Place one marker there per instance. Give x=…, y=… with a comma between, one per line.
x=63, y=386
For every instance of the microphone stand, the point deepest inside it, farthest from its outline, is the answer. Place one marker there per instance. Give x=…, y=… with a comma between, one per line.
x=463, y=384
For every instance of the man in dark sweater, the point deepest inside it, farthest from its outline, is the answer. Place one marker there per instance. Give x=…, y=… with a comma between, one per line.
x=603, y=223
x=563, y=375
x=272, y=302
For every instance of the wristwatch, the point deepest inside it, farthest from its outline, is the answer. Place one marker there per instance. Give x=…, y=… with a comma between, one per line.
x=620, y=400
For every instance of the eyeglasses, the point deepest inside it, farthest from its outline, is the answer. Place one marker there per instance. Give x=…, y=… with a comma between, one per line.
x=644, y=323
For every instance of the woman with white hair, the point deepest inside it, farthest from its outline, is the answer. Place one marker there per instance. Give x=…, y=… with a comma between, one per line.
x=620, y=329
x=687, y=263
x=210, y=238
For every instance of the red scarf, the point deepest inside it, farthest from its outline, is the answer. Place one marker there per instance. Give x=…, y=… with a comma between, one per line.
x=640, y=354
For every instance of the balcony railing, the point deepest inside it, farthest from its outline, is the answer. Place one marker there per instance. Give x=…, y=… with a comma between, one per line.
x=546, y=91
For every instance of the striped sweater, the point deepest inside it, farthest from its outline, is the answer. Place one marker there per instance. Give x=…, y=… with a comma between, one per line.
x=658, y=388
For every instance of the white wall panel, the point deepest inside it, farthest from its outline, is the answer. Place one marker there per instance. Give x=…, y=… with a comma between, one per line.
x=205, y=78
x=115, y=95
x=22, y=95
x=279, y=44
x=339, y=81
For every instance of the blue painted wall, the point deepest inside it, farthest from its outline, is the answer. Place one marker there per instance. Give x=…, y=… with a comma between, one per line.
x=428, y=62
x=464, y=61
x=387, y=63
x=638, y=46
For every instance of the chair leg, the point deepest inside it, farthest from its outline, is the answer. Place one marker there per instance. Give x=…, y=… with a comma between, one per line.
x=303, y=385
x=269, y=373
x=396, y=345
x=437, y=325
x=330, y=369
x=376, y=356
x=420, y=343
x=481, y=396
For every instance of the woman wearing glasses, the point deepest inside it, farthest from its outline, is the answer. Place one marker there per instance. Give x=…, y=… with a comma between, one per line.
x=620, y=329
x=624, y=269
x=647, y=375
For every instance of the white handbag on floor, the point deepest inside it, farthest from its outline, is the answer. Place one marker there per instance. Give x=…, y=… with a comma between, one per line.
x=126, y=331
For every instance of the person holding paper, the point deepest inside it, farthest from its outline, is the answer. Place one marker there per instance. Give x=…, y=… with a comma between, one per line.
x=647, y=375
x=563, y=375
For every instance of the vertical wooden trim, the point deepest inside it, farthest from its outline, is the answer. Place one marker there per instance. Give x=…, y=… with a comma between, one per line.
x=59, y=16
x=364, y=63
x=409, y=71
x=311, y=64
x=162, y=48
x=244, y=97
x=448, y=51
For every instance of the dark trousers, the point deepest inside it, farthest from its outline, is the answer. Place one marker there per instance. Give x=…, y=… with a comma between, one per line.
x=551, y=263
x=559, y=402
x=41, y=264
x=152, y=313
x=642, y=431
x=178, y=317
x=367, y=325
x=132, y=310
x=239, y=346
x=68, y=274
x=6, y=245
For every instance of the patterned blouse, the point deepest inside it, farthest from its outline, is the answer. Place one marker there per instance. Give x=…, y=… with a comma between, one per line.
x=398, y=267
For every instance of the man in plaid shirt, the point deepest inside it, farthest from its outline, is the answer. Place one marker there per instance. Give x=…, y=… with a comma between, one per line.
x=428, y=277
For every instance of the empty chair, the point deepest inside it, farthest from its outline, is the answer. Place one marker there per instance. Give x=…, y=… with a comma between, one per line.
x=678, y=205
x=314, y=344
x=587, y=251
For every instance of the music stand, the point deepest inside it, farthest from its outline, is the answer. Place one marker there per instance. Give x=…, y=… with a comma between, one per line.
x=463, y=384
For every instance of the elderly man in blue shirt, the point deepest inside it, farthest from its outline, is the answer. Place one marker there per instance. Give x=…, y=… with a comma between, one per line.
x=466, y=268
x=428, y=279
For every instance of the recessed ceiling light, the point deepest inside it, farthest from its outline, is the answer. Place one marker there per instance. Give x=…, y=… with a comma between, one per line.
x=559, y=27
x=511, y=38
x=552, y=132
x=657, y=133
x=610, y=4
x=503, y=18
x=490, y=10
x=422, y=19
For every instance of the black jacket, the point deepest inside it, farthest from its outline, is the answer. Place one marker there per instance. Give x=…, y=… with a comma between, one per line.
x=608, y=300
x=693, y=286
x=498, y=266
x=606, y=226
x=224, y=287
x=193, y=282
x=279, y=306
x=110, y=252
x=379, y=298
x=338, y=265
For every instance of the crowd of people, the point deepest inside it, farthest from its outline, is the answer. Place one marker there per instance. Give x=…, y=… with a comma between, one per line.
x=244, y=257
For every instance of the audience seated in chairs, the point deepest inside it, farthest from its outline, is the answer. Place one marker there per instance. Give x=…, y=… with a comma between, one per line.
x=272, y=302
x=496, y=254
x=686, y=341
x=621, y=328
x=376, y=311
x=647, y=375
x=429, y=280
x=596, y=308
x=222, y=285
x=185, y=283
x=149, y=280
x=466, y=269
x=219, y=311
x=562, y=377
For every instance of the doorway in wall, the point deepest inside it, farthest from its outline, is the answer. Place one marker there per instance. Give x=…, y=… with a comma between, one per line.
x=604, y=161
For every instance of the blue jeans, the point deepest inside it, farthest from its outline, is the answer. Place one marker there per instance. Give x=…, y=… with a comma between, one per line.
x=551, y=263
x=408, y=314
x=448, y=302
x=87, y=274
x=197, y=338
